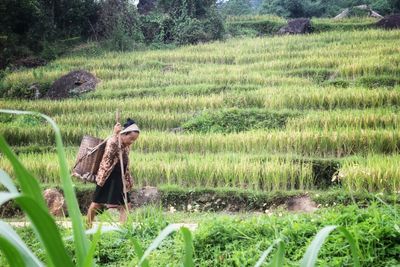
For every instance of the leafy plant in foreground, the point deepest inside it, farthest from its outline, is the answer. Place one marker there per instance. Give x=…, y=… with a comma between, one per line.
x=31, y=201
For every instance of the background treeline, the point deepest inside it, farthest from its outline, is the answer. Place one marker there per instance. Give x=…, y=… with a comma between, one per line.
x=50, y=27
x=302, y=8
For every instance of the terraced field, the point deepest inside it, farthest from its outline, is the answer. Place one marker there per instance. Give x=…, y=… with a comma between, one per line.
x=272, y=113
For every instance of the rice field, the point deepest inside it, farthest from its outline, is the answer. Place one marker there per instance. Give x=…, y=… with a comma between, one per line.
x=343, y=87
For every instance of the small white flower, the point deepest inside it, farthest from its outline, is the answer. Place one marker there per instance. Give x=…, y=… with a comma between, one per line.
x=172, y=209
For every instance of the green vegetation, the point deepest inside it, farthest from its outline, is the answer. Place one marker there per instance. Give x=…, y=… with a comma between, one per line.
x=269, y=25
x=304, y=8
x=31, y=201
x=269, y=108
x=242, y=124
x=238, y=120
x=239, y=240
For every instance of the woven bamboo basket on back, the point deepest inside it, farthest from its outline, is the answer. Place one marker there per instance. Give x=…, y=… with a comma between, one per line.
x=89, y=156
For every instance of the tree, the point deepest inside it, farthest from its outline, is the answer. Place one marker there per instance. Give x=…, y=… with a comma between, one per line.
x=236, y=8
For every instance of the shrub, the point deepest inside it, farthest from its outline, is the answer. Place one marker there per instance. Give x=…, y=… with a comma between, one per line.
x=238, y=120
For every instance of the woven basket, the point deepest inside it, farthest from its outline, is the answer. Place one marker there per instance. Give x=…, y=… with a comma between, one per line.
x=89, y=156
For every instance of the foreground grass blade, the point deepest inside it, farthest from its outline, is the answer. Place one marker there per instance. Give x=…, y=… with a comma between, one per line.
x=15, y=250
x=187, y=237
x=278, y=259
x=29, y=184
x=265, y=254
x=89, y=261
x=310, y=257
x=6, y=180
x=12, y=255
x=80, y=239
x=139, y=252
x=47, y=231
x=164, y=233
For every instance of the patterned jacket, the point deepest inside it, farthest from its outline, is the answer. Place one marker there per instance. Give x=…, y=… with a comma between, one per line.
x=110, y=159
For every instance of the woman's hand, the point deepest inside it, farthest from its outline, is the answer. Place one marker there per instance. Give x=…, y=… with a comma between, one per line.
x=117, y=128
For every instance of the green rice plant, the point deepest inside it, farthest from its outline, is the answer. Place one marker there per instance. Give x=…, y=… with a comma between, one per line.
x=360, y=119
x=33, y=204
x=374, y=173
x=309, y=142
x=270, y=60
x=192, y=170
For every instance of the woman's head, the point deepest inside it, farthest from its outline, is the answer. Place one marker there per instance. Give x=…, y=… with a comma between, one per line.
x=130, y=132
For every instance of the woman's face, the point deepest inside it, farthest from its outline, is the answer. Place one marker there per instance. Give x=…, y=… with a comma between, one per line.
x=129, y=138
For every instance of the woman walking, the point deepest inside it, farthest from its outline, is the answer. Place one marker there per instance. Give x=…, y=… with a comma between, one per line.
x=110, y=191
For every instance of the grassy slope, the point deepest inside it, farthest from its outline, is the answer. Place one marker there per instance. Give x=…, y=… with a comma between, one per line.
x=342, y=86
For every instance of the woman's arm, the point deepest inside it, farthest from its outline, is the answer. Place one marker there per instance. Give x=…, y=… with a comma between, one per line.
x=107, y=162
x=128, y=176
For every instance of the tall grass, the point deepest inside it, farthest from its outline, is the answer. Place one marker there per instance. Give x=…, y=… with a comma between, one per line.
x=373, y=173
x=343, y=85
x=221, y=170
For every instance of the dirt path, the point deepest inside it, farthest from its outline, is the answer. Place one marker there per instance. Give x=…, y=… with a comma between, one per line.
x=68, y=224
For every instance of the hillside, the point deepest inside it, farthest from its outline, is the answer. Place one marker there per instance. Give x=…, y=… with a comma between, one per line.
x=271, y=113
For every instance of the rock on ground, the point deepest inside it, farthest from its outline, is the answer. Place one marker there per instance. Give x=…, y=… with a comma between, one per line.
x=301, y=204
x=54, y=201
x=74, y=83
x=389, y=22
x=296, y=26
x=146, y=195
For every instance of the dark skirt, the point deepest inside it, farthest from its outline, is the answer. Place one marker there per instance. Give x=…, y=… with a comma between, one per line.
x=112, y=191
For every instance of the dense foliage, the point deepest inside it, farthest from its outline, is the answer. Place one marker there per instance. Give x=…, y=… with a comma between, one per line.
x=239, y=240
x=47, y=27
x=301, y=8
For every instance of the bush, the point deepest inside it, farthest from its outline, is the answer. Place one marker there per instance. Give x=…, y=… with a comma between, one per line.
x=378, y=81
x=238, y=120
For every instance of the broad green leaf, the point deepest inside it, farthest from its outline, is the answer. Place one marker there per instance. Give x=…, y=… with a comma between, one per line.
x=12, y=255
x=278, y=259
x=310, y=257
x=18, y=251
x=139, y=252
x=265, y=254
x=89, y=261
x=46, y=230
x=164, y=233
x=80, y=239
x=29, y=184
x=187, y=237
x=353, y=245
x=6, y=180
